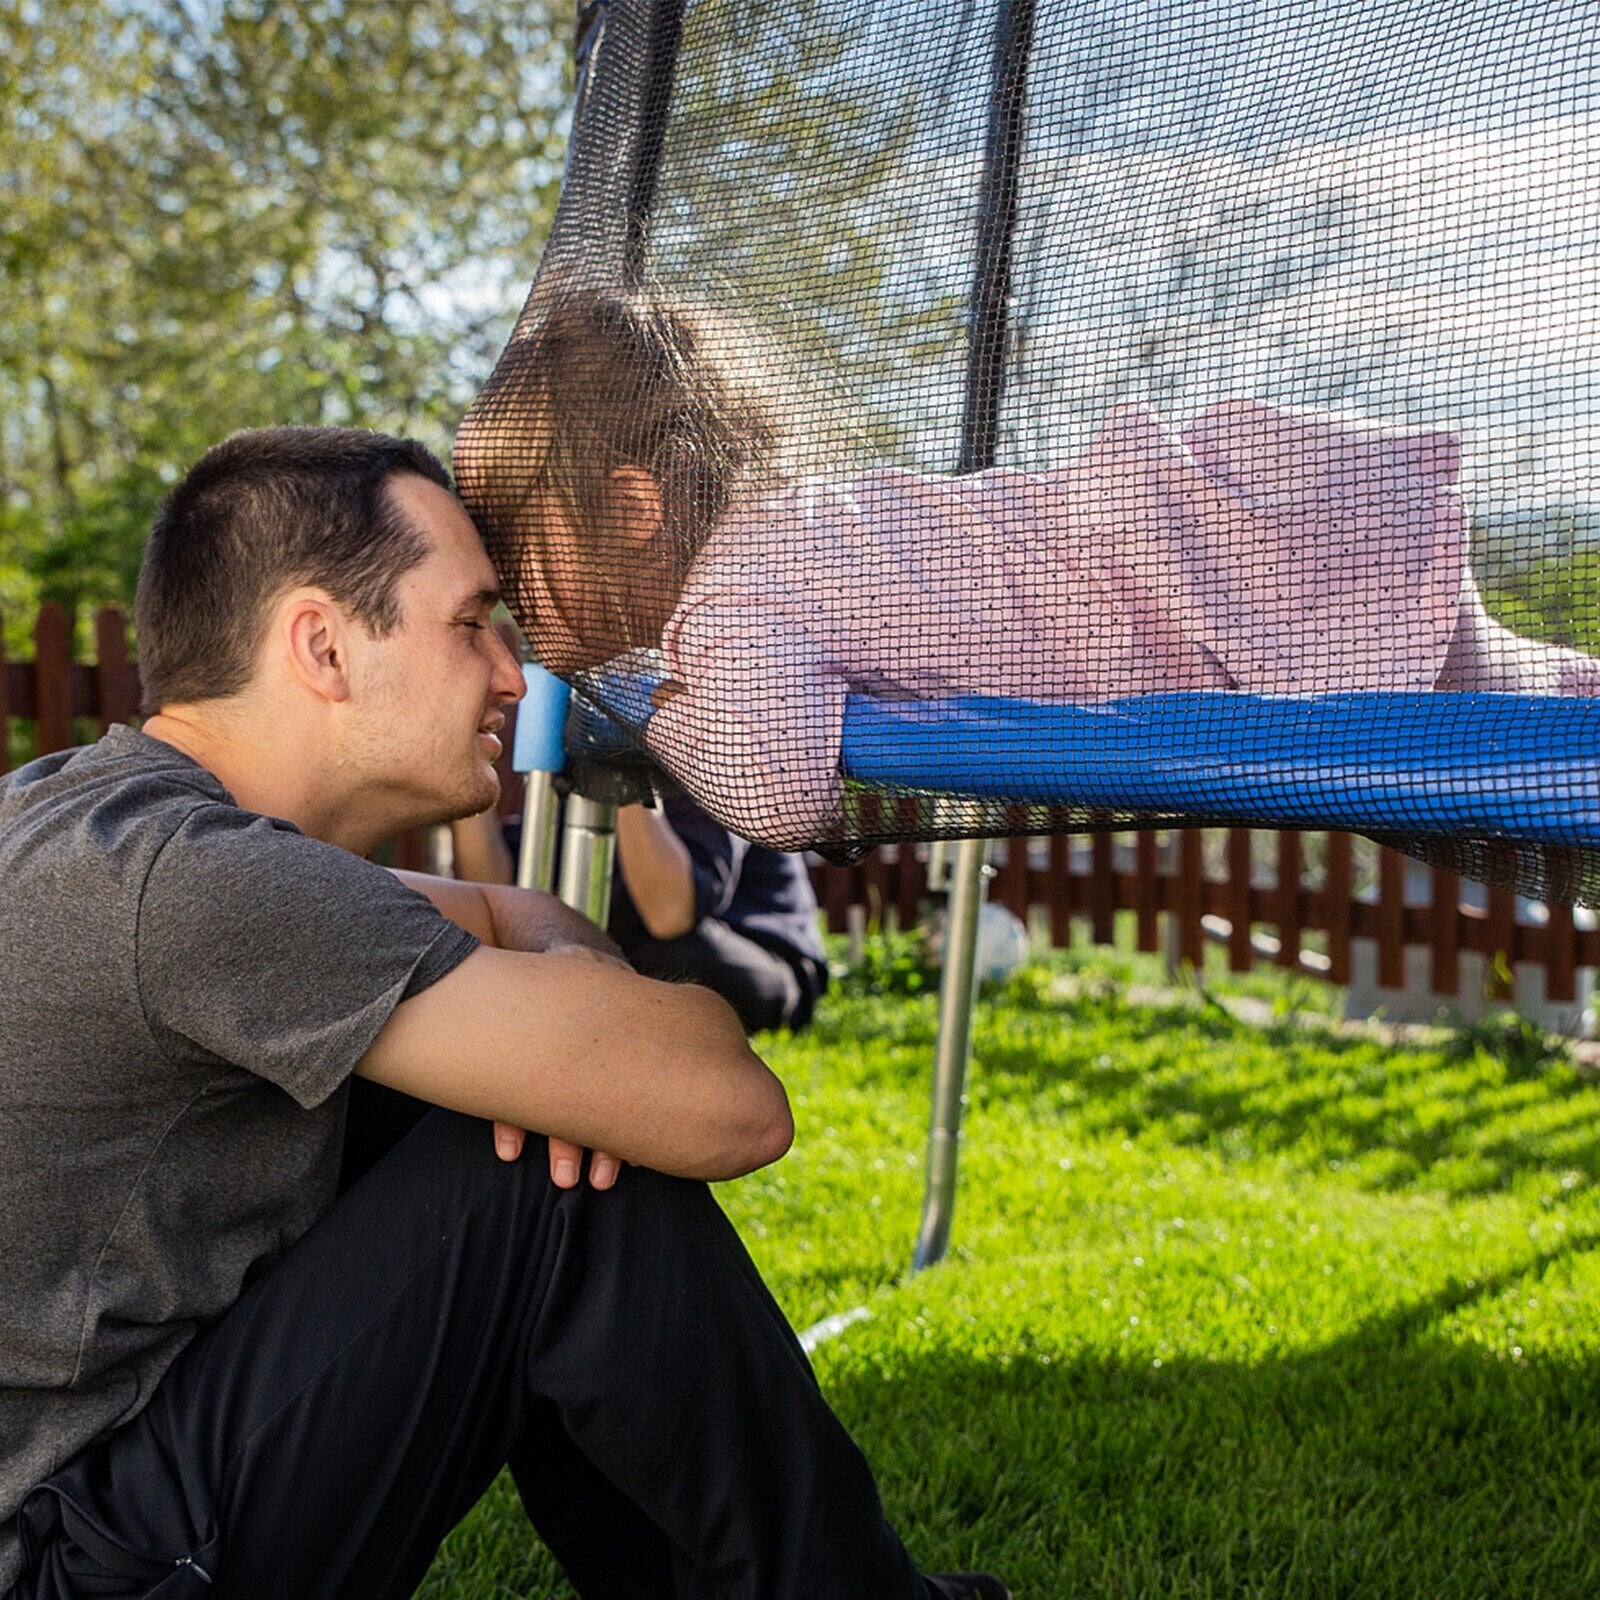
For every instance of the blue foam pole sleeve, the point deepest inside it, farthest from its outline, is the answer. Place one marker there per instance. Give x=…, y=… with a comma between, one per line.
x=541, y=721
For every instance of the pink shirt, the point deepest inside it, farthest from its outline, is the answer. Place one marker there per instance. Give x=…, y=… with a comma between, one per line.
x=1267, y=551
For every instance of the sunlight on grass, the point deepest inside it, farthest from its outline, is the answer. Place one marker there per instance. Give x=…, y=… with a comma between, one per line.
x=1231, y=1311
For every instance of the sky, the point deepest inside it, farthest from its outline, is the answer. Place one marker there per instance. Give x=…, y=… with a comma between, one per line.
x=1384, y=206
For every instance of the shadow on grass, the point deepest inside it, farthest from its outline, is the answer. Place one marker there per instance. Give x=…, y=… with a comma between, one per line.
x=1392, y=1464
x=1454, y=1118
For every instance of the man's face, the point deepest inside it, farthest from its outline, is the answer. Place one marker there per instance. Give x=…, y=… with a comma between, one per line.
x=431, y=695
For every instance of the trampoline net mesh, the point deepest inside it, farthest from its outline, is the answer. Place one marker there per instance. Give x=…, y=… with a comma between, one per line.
x=1126, y=359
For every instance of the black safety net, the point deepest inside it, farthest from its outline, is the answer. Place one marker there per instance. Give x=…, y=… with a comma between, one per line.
x=969, y=418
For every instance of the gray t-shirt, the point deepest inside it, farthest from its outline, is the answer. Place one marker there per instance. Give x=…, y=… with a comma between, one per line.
x=184, y=989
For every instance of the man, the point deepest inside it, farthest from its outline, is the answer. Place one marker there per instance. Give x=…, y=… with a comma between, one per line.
x=216, y=1379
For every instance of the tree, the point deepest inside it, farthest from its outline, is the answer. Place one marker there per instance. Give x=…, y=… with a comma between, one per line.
x=218, y=214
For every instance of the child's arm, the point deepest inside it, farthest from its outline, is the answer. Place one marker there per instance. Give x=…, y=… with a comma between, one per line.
x=751, y=723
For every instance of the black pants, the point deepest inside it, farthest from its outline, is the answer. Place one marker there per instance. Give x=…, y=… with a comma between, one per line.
x=449, y=1315
x=766, y=989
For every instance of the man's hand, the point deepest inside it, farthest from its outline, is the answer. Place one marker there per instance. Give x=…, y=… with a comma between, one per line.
x=566, y=1158
x=657, y=1073
x=528, y=919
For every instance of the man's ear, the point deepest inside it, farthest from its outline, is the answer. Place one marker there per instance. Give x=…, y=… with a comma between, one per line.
x=636, y=504
x=316, y=633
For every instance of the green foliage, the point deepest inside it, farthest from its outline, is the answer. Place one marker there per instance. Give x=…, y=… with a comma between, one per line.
x=242, y=213
x=890, y=962
x=1556, y=599
x=792, y=190
x=1521, y=1047
x=1232, y=1311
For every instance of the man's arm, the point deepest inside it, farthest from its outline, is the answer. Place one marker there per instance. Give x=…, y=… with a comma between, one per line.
x=530, y=920
x=657, y=1074
x=509, y=918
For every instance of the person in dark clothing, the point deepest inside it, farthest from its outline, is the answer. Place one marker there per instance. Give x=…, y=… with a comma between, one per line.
x=691, y=902
x=219, y=1376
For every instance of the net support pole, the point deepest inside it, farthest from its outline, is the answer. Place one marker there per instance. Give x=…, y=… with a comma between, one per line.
x=988, y=333
x=589, y=832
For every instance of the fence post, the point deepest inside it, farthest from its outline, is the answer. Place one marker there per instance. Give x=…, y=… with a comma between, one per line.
x=52, y=677
x=1146, y=891
x=1241, y=954
x=115, y=678
x=1291, y=864
x=1338, y=890
x=5, y=703
x=1444, y=961
x=1191, y=941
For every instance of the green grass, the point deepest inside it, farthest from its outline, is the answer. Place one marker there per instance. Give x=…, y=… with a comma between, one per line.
x=1231, y=1311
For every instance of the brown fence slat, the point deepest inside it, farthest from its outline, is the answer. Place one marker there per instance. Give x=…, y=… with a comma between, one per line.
x=1560, y=970
x=910, y=886
x=52, y=658
x=837, y=889
x=1499, y=974
x=116, y=682
x=1103, y=888
x=1444, y=947
x=1241, y=957
x=1009, y=886
x=1391, y=920
x=1291, y=864
x=411, y=850
x=877, y=874
x=1146, y=902
x=1191, y=897
x=1060, y=890
x=5, y=703
x=1337, y=889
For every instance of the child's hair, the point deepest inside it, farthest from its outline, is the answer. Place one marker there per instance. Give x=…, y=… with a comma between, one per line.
x=598, y=380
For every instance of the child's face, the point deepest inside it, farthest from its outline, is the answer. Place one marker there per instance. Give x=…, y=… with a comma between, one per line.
x=593, y=599
x=568, y=629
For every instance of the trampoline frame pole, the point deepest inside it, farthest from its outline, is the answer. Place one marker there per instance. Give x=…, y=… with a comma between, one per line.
x=538, y=752
x=958, y=989
x=588, y=852
x=988, y=330
x=541, y=817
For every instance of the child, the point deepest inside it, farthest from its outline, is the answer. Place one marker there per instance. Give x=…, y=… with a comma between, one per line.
x=626, y=466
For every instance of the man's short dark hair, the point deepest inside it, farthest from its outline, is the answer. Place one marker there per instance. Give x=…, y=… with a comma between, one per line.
x=261, y=513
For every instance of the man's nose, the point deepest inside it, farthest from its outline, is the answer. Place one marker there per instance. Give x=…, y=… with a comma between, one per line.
x=507, y=682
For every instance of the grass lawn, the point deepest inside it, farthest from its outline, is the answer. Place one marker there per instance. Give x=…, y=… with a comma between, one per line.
x=1232, y=1310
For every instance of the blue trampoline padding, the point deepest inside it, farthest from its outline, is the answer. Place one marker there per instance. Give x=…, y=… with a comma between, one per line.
x=1520, y=767
x=539, y=745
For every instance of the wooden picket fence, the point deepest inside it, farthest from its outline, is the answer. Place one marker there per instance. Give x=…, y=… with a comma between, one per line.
x=67, y=701
x=1304, y=898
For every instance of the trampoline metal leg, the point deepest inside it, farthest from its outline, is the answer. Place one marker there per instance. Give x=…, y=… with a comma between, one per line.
x=588, y=851
x=957, y=991
x=541, y=816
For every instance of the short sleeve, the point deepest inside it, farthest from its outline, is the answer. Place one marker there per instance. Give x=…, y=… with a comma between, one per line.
x=280, y=954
